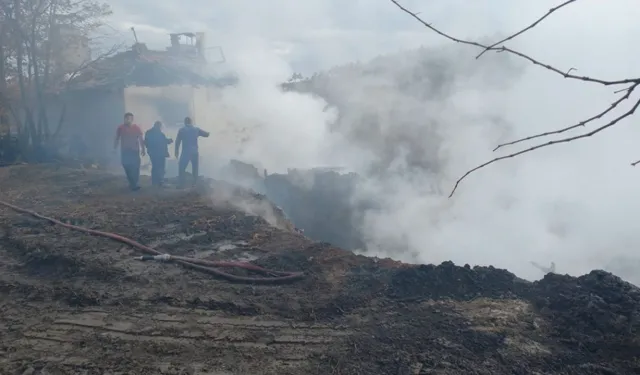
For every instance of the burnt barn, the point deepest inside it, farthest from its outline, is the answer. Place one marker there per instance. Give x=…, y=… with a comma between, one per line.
x=154, y=85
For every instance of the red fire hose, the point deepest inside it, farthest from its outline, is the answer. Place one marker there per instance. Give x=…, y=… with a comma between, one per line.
x=276, y=277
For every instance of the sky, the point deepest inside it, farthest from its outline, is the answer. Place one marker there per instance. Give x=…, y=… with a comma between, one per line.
x=576, y=205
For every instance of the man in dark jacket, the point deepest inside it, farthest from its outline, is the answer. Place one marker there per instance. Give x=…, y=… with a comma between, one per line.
x=157, y=147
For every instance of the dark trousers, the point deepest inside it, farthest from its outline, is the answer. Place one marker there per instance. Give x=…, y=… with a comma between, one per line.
x=185, y=159
x=131, y=164
x=158, y=166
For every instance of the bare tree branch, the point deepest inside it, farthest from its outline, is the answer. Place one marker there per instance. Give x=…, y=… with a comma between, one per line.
x=613, y=105
x=515, y=35
x=633, y=82
x=551, y=143
x=28, y=27
x=563, y=73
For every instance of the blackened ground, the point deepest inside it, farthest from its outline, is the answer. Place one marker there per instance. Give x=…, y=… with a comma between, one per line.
x=72, y=303
x=450, y=281
x=560, y=325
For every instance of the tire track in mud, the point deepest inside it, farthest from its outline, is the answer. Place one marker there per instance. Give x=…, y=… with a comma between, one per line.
x=187, y=338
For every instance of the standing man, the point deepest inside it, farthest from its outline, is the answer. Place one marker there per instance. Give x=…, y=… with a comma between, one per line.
x=157, y=147
x=188, y=138
x=129, y=136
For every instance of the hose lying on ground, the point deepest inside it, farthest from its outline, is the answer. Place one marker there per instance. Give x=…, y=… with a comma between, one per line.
x=197, y=264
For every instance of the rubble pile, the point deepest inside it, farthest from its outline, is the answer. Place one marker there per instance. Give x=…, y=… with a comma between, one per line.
x=320, y=203
x=319, y=200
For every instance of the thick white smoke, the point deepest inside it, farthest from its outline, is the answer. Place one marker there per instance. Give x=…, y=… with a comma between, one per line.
x=575, y=204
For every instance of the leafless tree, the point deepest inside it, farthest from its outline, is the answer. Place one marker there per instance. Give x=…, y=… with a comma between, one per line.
x=27, y=61
x=627, y=86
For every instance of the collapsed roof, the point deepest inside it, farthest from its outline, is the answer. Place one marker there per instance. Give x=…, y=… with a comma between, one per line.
x=141, y=66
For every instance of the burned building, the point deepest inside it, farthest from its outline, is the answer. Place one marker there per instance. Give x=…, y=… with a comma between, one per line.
x=153, y=84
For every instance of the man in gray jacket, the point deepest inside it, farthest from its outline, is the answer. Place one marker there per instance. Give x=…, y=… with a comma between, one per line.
x=188, y=138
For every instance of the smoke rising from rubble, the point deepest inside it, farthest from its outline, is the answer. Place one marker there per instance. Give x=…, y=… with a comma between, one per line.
x=575, y=205
x=273, y=129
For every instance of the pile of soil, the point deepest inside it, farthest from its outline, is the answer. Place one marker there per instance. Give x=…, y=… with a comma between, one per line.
x=78, y=304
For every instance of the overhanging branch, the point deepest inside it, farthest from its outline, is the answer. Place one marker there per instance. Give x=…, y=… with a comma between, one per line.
x=608, y=125
x=565, y=73
x=500, y=47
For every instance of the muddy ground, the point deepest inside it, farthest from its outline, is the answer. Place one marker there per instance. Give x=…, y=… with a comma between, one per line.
x=76, y=304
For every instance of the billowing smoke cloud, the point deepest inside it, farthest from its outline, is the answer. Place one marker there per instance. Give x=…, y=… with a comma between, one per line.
x=412, y=123
x=273, y=129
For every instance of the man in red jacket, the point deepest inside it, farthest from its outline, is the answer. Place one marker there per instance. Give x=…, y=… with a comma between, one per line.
x=129, y=137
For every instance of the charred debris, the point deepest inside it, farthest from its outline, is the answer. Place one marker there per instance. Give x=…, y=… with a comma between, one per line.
x=318, y=201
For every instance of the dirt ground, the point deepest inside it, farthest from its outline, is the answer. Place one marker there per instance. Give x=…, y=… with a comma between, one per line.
x=78, y=304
